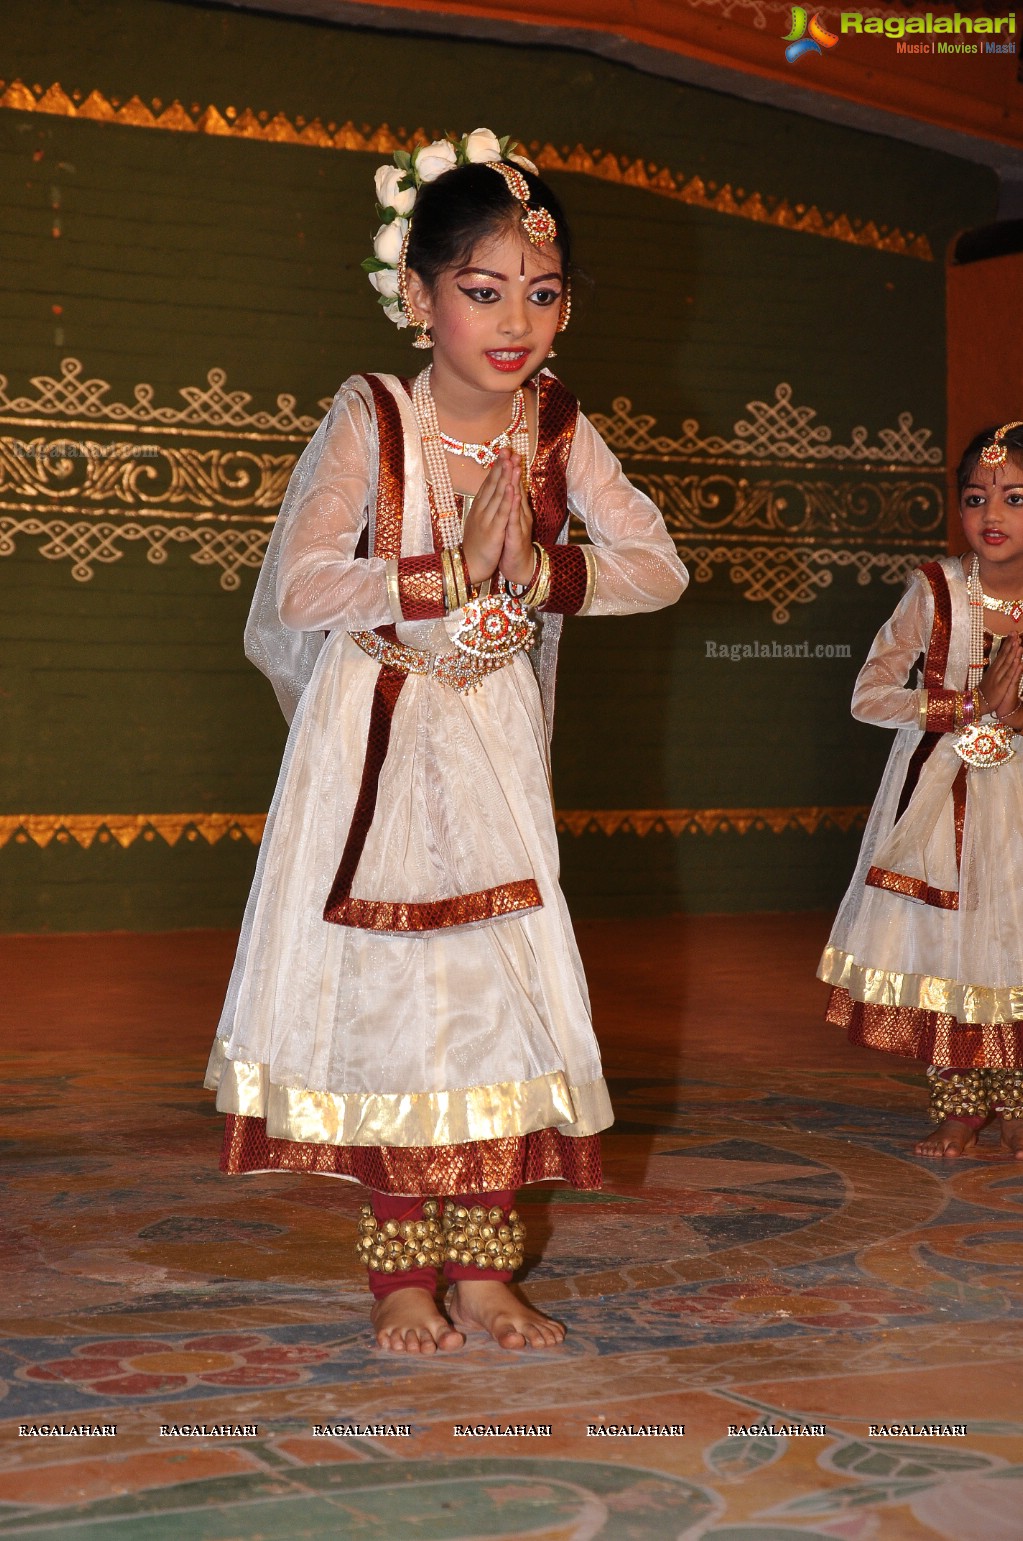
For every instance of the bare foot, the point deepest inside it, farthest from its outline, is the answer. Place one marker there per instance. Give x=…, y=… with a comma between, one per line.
x=490, y=1306
x=951, y=1138
x=408, y=1322
x=1012, y=1136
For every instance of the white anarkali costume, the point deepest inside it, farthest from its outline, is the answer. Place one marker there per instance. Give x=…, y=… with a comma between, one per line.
x=434, y=1034
x=926, y=955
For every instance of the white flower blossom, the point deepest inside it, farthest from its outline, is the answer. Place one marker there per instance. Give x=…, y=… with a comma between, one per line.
x=432, y=160
x=387, y=241
x=482, y=145
x=428, y=162
x=388, y=195
x=385, y=281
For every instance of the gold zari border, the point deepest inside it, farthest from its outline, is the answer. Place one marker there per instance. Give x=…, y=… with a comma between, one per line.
x=974, y=1004
x=86, y=829
x=912, y=888
x=124, y=829
x=706, y=821
x=280, y=129
x=408, y=916
x=500, y=1111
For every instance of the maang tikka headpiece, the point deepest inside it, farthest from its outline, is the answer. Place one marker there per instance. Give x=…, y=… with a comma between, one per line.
x=397, y=187
x=539, y=224
x=996, y=453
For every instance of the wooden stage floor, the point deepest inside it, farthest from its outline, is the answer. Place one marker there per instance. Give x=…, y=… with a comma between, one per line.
x=767, y=1253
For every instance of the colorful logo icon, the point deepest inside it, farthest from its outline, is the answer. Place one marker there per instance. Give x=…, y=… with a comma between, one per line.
x=807, y=36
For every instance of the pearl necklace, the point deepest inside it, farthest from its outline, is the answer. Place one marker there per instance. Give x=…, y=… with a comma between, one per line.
x=436, y=445
x=977, y=607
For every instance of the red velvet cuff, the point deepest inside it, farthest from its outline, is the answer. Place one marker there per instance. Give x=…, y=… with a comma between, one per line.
x=941, y=709
x=421, y=587
x=569, y=580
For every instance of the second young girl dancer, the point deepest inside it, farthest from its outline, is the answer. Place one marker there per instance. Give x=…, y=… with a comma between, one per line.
x=407, y=1007
x=926, y=956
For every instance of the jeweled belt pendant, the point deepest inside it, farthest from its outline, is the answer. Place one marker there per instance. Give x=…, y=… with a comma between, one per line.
x=494, y=627
x=981, y=746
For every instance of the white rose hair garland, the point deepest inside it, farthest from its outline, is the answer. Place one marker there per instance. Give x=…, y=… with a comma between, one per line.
x=397, y=187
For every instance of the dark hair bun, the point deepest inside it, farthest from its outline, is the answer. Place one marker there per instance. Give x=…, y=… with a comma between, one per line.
x=468, y=205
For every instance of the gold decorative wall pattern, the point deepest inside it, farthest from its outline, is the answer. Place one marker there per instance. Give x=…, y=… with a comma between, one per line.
x=756, y=503
x=631, y=171
x=771, y=431
x=59, y=472
x=86, y=498
x=77, y=400
x=779, y=503
x=124, y=829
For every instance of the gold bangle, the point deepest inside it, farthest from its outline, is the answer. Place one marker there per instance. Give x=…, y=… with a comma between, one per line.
x=539, y=590
x=393, y=591
x=448, y=576
x=463, y=583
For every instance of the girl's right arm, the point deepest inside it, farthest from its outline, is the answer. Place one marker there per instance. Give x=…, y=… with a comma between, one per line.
x=882, y=694
x=321, y=583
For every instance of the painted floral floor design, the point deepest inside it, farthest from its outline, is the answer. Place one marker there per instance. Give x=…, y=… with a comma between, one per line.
x=766, y=1251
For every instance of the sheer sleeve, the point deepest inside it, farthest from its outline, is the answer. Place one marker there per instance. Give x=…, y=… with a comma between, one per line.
x=630, y=563
x=881, y=694
x=321, y=583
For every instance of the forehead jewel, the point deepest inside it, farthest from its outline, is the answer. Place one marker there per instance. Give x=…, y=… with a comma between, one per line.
x=996, y=453
x=539, y=224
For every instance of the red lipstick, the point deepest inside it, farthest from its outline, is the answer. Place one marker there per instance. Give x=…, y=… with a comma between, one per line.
x=507, y=360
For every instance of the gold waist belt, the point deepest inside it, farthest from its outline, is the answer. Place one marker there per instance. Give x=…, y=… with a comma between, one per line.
x=493, y=629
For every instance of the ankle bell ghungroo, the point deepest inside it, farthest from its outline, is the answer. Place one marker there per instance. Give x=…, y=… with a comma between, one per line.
x=483, y=1238
x=958, y=1093
x=1007, y=1092
x=398, y=1245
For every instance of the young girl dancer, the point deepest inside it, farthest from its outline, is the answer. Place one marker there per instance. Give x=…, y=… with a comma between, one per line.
x=407, y=1006
x=926, y=956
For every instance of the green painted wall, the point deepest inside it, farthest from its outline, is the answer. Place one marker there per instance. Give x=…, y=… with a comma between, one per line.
x=177, y=254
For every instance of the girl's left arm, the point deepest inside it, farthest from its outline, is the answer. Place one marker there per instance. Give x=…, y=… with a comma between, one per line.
x=629, y=563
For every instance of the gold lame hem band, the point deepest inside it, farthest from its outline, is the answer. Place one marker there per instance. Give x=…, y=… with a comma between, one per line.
x=508, y=1108
x=982, y=1005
